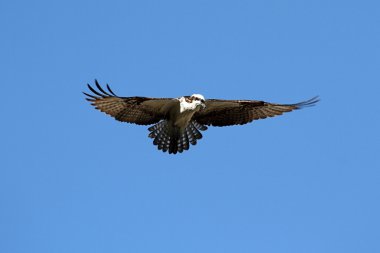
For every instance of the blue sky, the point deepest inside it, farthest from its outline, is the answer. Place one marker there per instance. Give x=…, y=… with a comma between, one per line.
x=74, y=180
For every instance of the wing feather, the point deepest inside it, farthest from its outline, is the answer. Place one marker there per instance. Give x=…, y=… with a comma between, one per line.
x=238, y=112
x=138, y=110
x=109, y=89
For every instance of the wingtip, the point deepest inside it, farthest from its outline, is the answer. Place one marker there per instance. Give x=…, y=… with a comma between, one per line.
x=89, y=96
x=308, y=103
x=109, y=89
x=313, y=100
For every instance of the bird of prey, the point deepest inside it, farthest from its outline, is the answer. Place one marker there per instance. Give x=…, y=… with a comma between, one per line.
x=177, y=122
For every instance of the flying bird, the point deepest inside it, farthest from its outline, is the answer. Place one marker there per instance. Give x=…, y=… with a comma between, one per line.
x=177, y=122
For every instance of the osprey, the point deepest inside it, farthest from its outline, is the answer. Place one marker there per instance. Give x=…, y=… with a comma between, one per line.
x=178, y=121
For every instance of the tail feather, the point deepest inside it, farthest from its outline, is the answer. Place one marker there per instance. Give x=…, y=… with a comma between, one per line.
x=180, y=145
x=199, y=126
x=161, y=142
x=185, y=141
x=173, y=146
x=169, y=138
x=195, y=132
x=191, y=136
x=154, y=130
x=162, y=139
x=164, y=145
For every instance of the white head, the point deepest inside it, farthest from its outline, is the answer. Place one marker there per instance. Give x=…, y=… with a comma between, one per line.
x=194, y=102
x=199, y=96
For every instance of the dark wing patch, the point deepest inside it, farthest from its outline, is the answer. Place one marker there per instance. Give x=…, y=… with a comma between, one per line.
x=125, y=109
x=239, y=112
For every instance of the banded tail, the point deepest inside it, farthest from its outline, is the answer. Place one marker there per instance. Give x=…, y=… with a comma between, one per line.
x=168, y=138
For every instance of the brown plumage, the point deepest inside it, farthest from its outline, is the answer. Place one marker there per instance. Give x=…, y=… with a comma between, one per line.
x=178, y=121
x=137, y=110
x=239, y=112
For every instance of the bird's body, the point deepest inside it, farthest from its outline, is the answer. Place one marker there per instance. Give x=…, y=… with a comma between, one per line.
x=178, y=121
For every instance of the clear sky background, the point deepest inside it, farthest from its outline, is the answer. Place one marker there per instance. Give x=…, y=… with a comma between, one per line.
x=74, y=180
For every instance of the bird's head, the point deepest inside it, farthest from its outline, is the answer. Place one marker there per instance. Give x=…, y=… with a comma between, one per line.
x=194, y=102
x=198, y=100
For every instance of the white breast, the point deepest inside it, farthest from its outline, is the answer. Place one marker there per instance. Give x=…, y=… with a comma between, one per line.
x=186, y=112
x=185, y=106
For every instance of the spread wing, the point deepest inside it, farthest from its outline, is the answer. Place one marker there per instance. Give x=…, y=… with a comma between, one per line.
x=238, y=112
x=138, y=110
